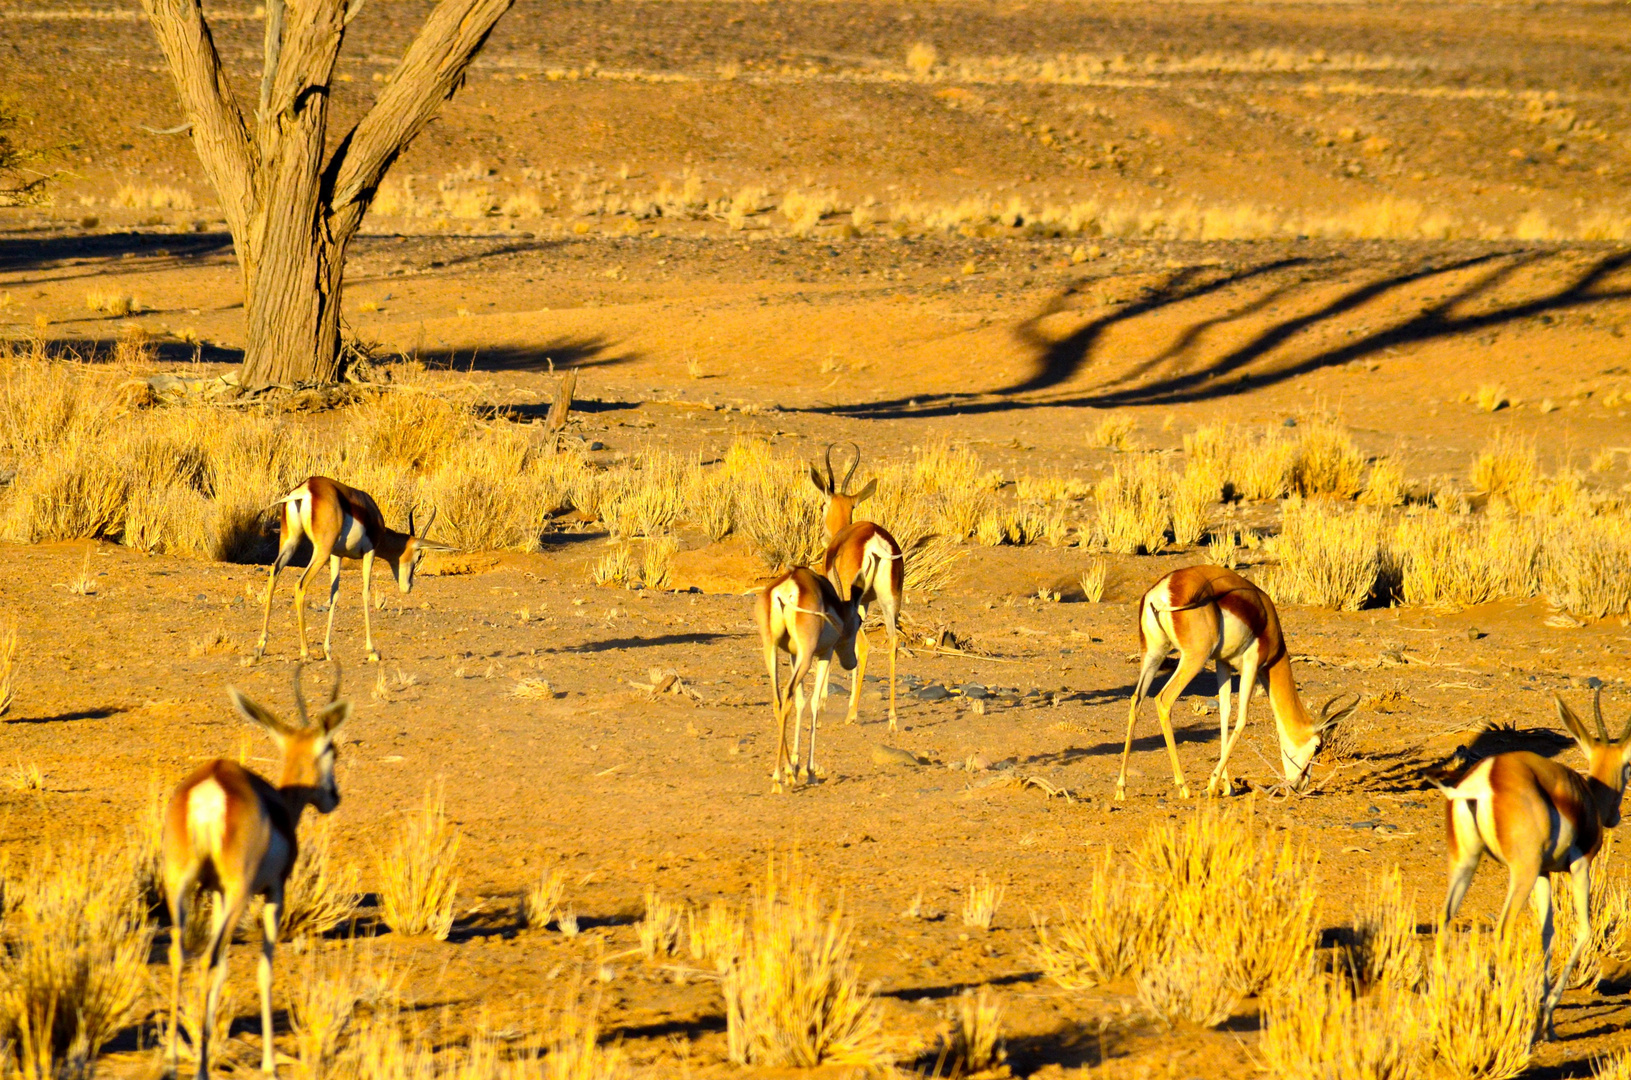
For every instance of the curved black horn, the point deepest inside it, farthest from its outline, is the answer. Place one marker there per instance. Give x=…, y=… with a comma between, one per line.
x=429, y=522
x=854, y=464
x=1597, y=710
x=1325, y=710
x=411, y=531
x=832, y=484
x=299, y=695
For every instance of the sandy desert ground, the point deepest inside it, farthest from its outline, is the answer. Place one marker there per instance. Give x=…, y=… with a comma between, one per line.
x=772, y=220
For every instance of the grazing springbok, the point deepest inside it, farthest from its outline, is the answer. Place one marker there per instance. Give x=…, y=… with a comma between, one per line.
x=851, y=546
x=1210, y=613
x=1537, y=817
x=342, y=522
x=801, y=614
x=228, y=830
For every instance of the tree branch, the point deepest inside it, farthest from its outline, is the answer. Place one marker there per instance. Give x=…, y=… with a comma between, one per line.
x=219, y=132
x=429, y=73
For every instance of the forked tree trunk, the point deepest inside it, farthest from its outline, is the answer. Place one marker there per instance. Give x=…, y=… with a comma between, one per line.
x=293, y=214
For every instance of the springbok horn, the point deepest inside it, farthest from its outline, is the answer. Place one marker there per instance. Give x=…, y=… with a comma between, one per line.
x=1325, y=711
x=832, y=485
x=429, y=522
x=854, y=464
x=299, y=695
x=411, y=531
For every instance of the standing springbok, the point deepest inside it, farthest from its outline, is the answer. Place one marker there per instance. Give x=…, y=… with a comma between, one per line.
x=1210, y=613
x=230, y=831
x=801, y=614
x=851, y=546
x=342, y=522
x=1537, y=817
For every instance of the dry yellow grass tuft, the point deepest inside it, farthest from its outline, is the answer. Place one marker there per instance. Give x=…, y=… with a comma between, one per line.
x=921, y=59
x=1384, y=948
x=1092, y=581
x=1385, y=486
x=1507, y=469
x=1318, y=1027
x=1105, y=936
x=116, y=304
x=1132, y=506
x=661, y=926
x=794, y=997
x=75, y=963
x=1330, y=558
x=419, y=871
x=975, y=1046
x=1479, y=1004
x=8, y=666
x=1326, y=462
x=1187, y=983
x=981, y=902
x=717, y=935
x=321, y=894
x=1586, y=567
x=1193, y=496
x=1113, y=433
x=545, y=899
x=1492, y=397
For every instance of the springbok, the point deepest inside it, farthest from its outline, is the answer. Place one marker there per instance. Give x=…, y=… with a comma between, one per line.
x=230, y=831
x=342, y=522
x=801, y=614
x=851, y=546
x=1537, y=817
x=1210, y=613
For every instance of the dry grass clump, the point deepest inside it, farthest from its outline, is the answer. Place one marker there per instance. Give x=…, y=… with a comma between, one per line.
x=8, y=666
x=1480, y=1001
x=320, y=894
x=1384, y=948
x=1187, y=983
x=1133, y=513
x=662, y=925
x=1587, y=565
x=981, y=902
x=1104, y=936
x=717, y=934
x=1507, y=469
x=419, y=871
x=1092, y=581
x=1254, y=465
x=1492, y=397
x=414, y=429
x=1326, y=462
x=75, y=962
x=1614, y=1067
x=794, y=998
x=1385, y=486
x=1456, y=560
x=1328, y=557
x=1608, y=949
x=1113, y=433
x=1193, y=496
x=975, y=1045
x=776, y=507
x=1210, y=895
x=544, y=902
x=1319, y=1027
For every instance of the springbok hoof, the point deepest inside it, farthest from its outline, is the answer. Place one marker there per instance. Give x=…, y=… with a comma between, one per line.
x=373, y=657
x=1121, y=794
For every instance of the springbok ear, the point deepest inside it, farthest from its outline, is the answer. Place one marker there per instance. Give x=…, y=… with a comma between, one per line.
x=866, y=493
x=255, y=714
x=818, y=480
x=1576, y=727
x=333, y=715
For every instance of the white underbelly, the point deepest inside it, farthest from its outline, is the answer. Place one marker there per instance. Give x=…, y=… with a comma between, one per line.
x=353, y=540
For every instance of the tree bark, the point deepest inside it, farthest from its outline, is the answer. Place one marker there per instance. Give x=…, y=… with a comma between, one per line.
x=292, y=214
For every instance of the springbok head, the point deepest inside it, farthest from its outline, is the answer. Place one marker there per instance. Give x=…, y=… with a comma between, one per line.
x=1608, y=761
x=1296, y=758
x=413, y=550
x=840, y=504
x=308, y=748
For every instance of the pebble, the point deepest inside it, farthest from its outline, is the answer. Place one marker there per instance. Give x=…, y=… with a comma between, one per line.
x=975, y=690
x=932, y=692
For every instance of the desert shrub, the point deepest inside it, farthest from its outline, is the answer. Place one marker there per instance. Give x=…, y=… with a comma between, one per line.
x=1328, y=557
x=1384, y=947
x=1326, y=462
x=777, y=509
x=487, y=495
x=1133, y=512
x=1185, y=982
x=1457, y=560
x=1385, y=486
x=419, y=872
x=1319, y=1029
x=1480, y=1001
x=716, y=934
x=794, y=997
x=414, y=429
x=975, y=1045
x=1193, y=496
x=544, y=901
x=1104, y=935
x=320, y=893
x=74, y=963
x=661, y=926
x=1586, y=568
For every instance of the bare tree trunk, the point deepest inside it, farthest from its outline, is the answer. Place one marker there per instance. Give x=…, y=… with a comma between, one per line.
x=291, y=213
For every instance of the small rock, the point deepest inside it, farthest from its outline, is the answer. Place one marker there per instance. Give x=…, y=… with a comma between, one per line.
x=1290, y=421
x=974, y=690
x=979, y=763
x=1387, y=829
x=1594, y=683
x=931, y=692
x=1473, y=633
x=1364, y=825
x=596, y=444
x=891, y=755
